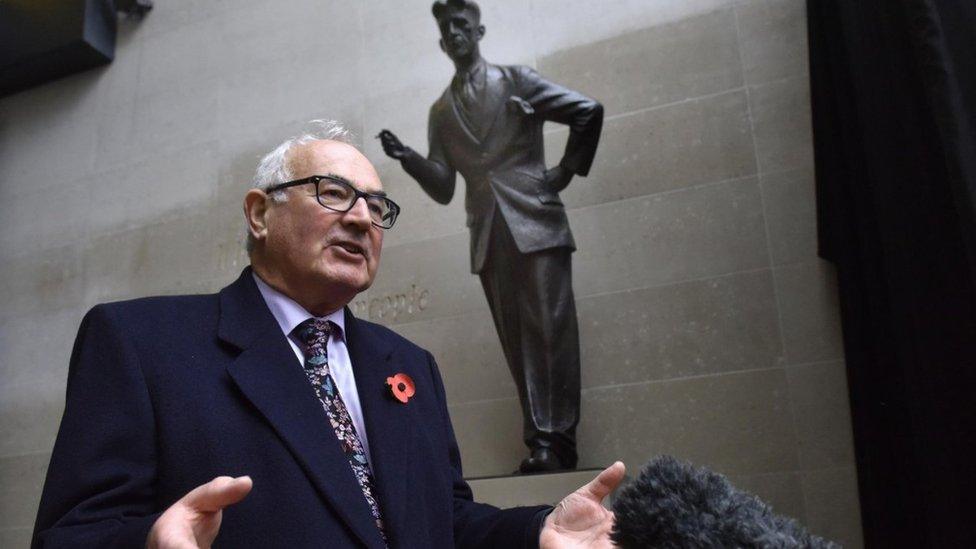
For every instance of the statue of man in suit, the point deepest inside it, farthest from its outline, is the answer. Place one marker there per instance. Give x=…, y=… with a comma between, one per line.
x=488, y=125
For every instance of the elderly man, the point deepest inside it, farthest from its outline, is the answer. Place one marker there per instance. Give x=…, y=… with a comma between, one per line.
x=487, y=125
x=275, y=389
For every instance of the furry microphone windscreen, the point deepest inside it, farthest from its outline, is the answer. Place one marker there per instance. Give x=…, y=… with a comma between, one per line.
x=674, y=505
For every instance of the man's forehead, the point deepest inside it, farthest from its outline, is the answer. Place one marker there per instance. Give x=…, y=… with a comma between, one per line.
x=468, y=14
x=326, y=157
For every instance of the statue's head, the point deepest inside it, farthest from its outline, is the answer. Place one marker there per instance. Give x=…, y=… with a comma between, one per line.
x=460, y=25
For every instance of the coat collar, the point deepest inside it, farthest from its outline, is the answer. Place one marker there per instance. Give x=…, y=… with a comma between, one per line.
x=266, y=374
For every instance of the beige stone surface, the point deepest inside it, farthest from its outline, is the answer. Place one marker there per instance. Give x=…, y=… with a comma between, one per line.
x=822, y=414
x=653, y=66
x=15, y=537
x=439, y=266
x=772, y=38
x=40, y=219
x=41, y=282
x=665, y=148
x=468, y=355
x=701, y=327
x=31, y=413
x=489, y=434
x=789, y=203
x=832, y=505
x=701, y=232
x=809, y=311
x=158, y=187
x=737, y=423
x=19, y=478
x=35, y=348
x=781, y=124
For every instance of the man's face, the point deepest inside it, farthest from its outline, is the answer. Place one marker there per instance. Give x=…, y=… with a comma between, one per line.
x=460, y=33
x=315, y=249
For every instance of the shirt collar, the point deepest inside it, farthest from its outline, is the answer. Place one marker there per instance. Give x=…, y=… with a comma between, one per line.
x=290, y=314
x=476, y=73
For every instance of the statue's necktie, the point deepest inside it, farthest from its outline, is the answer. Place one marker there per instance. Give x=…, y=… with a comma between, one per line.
x=314, y=334
x=468, y=94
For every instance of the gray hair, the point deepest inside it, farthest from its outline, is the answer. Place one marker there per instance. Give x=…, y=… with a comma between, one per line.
x=443, y=8
x=273, y=168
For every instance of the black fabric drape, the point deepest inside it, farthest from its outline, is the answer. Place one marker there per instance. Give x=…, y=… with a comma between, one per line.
x=893, y=86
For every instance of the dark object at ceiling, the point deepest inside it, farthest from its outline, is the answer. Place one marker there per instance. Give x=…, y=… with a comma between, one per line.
x=42, y=40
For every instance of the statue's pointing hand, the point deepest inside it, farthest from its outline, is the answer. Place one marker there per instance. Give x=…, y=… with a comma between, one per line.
x=392, y=145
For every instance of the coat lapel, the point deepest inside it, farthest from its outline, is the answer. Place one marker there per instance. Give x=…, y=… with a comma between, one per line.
x=457, y=119
x=497, y=91
x=389, y=424
x=267, y=373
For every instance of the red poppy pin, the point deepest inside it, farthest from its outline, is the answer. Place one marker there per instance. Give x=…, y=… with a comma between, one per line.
x=401, y=386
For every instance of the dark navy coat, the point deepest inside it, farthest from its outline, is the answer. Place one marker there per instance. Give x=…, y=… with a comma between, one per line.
x=166, y=393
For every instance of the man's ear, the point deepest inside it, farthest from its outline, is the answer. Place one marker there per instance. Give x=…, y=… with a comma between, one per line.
x=481, y=32
x=255, y=211
x=441, y=44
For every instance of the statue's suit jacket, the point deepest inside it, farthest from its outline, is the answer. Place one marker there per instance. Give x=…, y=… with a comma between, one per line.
x=166, y=393
x=504, y=165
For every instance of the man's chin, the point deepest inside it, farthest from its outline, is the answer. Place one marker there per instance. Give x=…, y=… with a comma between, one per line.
x=459, y=54
x=350, y=283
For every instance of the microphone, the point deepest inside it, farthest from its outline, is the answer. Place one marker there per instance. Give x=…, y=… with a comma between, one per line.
x=674, y=505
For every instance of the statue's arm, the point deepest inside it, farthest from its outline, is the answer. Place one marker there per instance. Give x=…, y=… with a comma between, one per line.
x=583, y=115
x=437, y=179
x=435, y=175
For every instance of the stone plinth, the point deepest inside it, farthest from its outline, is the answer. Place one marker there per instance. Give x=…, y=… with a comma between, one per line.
x=541, y=489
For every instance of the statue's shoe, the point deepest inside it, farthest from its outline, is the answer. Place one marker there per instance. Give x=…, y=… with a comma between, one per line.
x=542, y=460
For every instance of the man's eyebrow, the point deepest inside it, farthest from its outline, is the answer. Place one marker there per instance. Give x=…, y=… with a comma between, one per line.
x=353, y=185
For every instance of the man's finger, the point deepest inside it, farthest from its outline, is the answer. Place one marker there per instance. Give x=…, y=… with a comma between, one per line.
x=218, y=493
x=605, y=482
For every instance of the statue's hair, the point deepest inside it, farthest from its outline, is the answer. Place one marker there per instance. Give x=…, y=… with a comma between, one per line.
x=274, y=169
x=443, y=8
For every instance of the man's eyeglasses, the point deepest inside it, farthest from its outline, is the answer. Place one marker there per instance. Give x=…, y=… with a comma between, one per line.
x=339, y=196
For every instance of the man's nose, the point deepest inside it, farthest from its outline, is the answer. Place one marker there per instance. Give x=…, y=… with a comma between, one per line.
x=359, y=214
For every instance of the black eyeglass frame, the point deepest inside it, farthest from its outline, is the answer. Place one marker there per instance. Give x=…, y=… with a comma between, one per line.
x=315, y=179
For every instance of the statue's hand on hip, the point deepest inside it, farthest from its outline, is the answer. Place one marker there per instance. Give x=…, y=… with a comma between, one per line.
x=392, y=145
x=558, y=178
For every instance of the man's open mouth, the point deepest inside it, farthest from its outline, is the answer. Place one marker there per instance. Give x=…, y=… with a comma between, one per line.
x=351, y=248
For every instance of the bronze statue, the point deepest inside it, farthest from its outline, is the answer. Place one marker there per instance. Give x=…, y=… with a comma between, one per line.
x=488, y=125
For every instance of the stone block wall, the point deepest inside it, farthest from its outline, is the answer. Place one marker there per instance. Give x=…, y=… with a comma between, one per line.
x=709, y=327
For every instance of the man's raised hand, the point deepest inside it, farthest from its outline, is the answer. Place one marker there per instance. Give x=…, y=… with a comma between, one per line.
x=580, y=520
x=194, y=520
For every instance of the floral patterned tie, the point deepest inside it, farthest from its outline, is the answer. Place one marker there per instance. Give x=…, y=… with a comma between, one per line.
x=314, y=333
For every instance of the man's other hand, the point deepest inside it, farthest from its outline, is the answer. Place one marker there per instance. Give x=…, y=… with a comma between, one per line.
x=558, y=178
x=193, y=521
x=580, y=520
x=392, y=145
